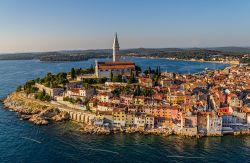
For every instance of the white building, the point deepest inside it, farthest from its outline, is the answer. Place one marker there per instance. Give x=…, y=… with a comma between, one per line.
x=81, y=93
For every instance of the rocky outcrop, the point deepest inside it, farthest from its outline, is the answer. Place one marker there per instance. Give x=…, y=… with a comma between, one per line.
x=155, y=131
x=38, y=120
x=91, y=129
x=246, y=132
x=36, y=111
x=62, y=116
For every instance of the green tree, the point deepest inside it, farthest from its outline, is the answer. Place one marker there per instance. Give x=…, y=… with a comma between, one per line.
x=73, y=73
x=78, y=71
x=149, y=70
x=132, y=78
x=19, y=88
x=137, y=70
x=37, y=80
x=41, y=95
x=85, y=85
x=157, y=71
x=137, y=91
x=92, y=68
x=101, y=80
x=117, y=78
x=111, y=75
x=147, y=92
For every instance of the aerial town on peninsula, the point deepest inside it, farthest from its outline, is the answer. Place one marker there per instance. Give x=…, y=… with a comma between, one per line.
x=116, y=96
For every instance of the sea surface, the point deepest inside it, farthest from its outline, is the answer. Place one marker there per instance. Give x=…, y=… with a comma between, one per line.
x=21, y=141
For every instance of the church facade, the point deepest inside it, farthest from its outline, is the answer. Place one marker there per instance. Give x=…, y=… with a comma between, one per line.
x=117, y=67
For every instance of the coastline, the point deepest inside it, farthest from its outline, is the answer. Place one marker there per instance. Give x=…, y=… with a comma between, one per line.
x=186, y=60
x=35, y=111
x=43, y=113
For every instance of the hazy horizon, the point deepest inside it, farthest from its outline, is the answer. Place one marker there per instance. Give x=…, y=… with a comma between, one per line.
x=42, y=26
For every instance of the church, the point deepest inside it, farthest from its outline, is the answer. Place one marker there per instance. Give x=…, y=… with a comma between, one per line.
x=117, y=67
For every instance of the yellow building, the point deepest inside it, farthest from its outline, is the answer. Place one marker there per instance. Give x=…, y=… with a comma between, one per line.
x=180, y=98
x=130, y=118
x=119, y=117
x=139, y=100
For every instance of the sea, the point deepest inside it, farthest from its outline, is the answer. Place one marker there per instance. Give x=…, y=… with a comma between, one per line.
x=21, y=141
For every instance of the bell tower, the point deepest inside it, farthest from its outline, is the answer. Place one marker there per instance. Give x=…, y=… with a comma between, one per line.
x=115, y=49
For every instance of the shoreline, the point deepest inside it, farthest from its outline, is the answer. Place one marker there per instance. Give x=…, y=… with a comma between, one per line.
x=171, y=59
x=19, y=103
x=35, y=111
x=186, y=60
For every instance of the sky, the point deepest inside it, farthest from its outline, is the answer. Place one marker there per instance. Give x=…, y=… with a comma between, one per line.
x=50, y=25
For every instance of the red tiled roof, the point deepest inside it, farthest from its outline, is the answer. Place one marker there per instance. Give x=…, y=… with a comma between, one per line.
x=75, y=90
x=115, y=65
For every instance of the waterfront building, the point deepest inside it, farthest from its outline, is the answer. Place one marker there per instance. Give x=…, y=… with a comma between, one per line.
x=119, y=117
x=130, y=117
x=115, y=67
x=188, y=124
x=149, y=119
x=209, y=123
x=140, y=121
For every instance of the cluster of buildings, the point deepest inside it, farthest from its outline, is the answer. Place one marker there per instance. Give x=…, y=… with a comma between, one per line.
x=209, y=103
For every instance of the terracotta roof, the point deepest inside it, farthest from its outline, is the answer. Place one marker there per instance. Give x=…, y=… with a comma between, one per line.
x=104, y=104
x=115, y=65
x=75, y=90
x=141, y=79
x=246, y=110
x=118, y=110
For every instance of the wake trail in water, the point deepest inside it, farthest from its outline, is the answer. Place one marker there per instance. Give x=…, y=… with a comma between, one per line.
x=185, y=157
x=103, y=150
x=31, y=140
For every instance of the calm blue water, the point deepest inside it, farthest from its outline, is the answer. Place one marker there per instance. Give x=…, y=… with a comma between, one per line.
x=59, y=144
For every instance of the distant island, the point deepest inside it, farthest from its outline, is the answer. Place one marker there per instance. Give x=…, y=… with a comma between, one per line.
x=220, y=54
x=118, y=97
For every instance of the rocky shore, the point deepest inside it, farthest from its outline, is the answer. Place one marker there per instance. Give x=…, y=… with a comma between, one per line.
x=91, y=129
x=42, y=113
x=100, y=130
x=35, y=111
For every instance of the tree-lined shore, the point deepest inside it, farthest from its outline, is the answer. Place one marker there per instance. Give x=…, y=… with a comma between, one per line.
x=205, y=54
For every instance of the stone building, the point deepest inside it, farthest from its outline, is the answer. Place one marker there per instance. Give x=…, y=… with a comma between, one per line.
x=209, y=123
x=115, y=67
